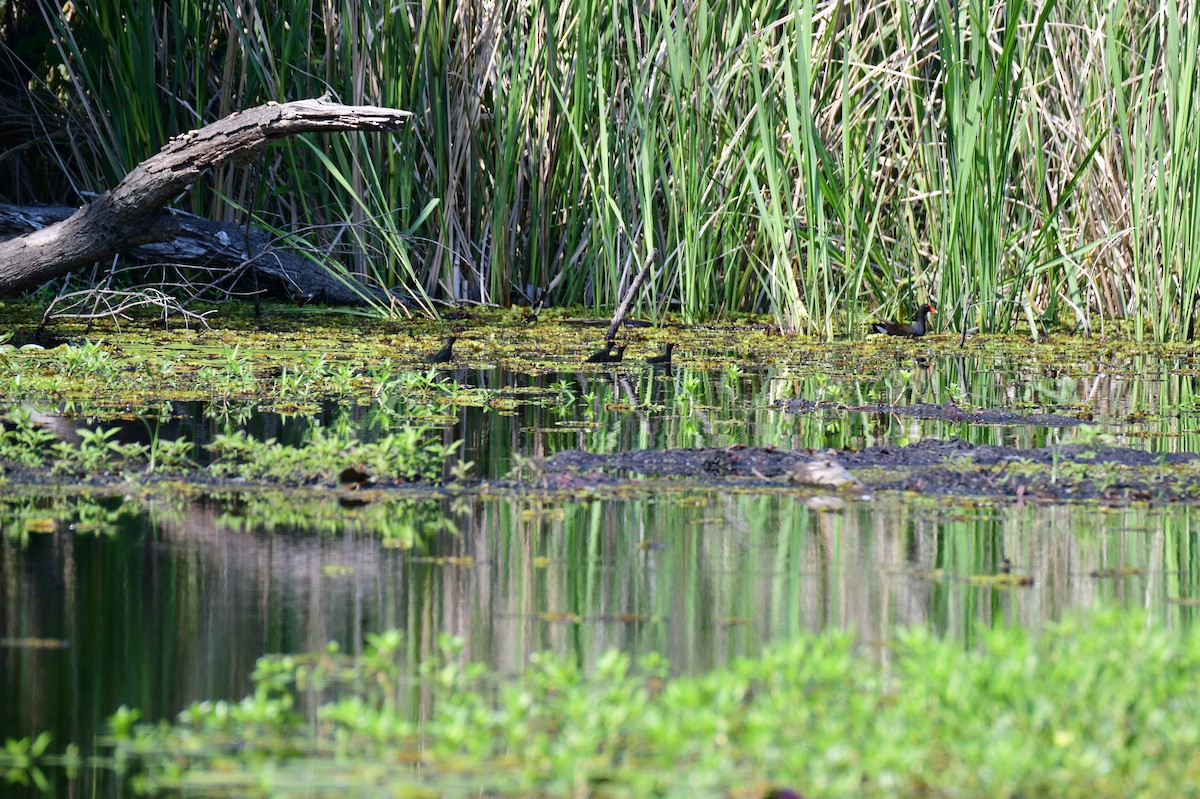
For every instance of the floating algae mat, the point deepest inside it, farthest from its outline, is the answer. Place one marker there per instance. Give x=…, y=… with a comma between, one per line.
x=176, y=504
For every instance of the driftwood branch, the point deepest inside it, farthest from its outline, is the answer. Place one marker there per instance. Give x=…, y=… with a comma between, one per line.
x=220, y=248
x=623, y=307
x=132, y=214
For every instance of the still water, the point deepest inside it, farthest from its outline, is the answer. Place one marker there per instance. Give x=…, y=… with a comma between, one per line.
x=155, y=601
x=165, y=607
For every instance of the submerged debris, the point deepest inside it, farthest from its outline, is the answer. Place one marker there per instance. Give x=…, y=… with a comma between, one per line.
x=823, y=472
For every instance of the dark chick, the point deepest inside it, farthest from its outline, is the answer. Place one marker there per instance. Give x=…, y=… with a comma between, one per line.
x=608, y=355
x=616, y=356
x=604, y=355
x=663, y=359
x=917, y=329
x=445, y=354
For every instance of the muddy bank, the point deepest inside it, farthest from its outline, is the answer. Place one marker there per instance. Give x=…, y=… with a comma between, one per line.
x=944, y=468
x=935, y=467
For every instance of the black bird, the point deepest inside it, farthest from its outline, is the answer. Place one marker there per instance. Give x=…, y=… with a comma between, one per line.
x=665, y=358
x=915, y=330
x=445, y=354
x=608, y=355
x=602, y=355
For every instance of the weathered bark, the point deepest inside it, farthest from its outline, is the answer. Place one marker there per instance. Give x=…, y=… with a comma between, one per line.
x=220, y=247
x=131, y=214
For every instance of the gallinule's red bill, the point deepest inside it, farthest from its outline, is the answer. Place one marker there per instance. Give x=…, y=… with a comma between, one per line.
x=445, y=354
x=663, y=359
x=916, y=329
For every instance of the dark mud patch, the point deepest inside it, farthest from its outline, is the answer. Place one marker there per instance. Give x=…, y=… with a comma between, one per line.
x=935, y=467
x=948, y=412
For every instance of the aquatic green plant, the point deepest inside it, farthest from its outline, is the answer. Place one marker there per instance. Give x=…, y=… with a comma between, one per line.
x=409, y=453
x=20, y=761
x=234, y=376
x=1101, y=703
x=22, y=441
x=93, y=454
x=87, y=358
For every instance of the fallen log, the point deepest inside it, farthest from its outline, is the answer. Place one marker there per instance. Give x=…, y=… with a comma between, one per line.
x=131, y=217
x=222, y=248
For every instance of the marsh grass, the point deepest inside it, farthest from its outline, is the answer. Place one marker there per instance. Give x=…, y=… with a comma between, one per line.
x=818, y=161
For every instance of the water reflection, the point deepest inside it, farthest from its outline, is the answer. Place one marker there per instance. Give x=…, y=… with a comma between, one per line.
x=156, y=603
x=170, y=604
x=504, y=415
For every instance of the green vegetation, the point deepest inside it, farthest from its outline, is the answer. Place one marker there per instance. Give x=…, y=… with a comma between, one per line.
x=395, y=522
x=1028, y=167
x=705, y=574
x=393, y=411
x=326, y=457
x=1099, y=705
x=812, y=160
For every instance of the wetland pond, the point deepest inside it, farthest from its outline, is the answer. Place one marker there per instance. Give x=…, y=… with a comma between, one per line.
x=587, y=508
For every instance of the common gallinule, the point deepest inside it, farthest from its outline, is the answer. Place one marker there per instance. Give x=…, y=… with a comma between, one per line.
x=445, y=354
x=602, y=355
x=615, y=356
x=663, y=359
x=608, y=354
x=916, y=329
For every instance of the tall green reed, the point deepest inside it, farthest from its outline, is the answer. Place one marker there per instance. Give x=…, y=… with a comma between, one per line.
x=1154, y=86
x=816, y=160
